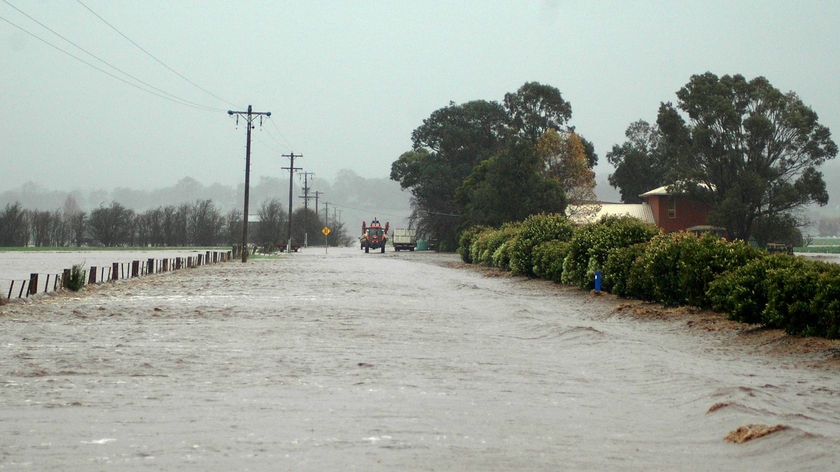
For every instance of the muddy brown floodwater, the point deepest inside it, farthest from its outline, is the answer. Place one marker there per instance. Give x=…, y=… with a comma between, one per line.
x=398, y=361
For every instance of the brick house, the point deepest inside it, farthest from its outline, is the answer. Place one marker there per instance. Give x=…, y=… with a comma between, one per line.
x=675, y=211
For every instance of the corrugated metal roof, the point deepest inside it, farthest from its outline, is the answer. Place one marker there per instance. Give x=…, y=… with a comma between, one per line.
x=664, y=190
x=586, y=213
x=657, y=191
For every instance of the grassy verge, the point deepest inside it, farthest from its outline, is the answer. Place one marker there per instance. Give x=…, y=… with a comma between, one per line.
x=818, y=249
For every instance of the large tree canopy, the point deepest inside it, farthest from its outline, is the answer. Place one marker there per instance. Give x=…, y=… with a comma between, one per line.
x=488, y=151
x=535, y=108
x=446, y=148
x=748, y=150
x=509, y=186
x=638, y=164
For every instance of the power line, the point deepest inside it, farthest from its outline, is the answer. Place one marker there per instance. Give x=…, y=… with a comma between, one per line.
x=149, y=88
x=346, y=207
x=141, y=48
x=84, y=61
x=286, y=144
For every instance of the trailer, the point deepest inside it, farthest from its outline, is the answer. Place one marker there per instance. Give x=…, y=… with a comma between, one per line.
x=404, y=239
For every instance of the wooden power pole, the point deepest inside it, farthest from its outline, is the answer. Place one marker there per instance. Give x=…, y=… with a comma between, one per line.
x=292, y=170
x=249, y=116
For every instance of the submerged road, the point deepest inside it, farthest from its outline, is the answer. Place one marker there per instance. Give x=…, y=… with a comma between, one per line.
x=396, y=361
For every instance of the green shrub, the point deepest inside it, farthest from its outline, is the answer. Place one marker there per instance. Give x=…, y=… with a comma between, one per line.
x=679, y=266
x=826, y=304
x=75, y=279
x=537, y=229
x=591, y=244
x=741, y=293
x=548, y=259
x=488, y=241
x=639, y=284
x=710, y=258
x=803, y=300
x=465, y=241
x=618, y=269
x=480, y=244
x=502, y=254
x=577, y=258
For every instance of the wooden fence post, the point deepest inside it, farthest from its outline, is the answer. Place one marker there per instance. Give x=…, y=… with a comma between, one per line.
x=33, y=284
x=115, y=271
x=92, y=275
x=150, y=266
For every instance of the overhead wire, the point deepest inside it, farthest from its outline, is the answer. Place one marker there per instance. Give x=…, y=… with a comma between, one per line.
x=280, y=133
x=152, y=56
x=146, y=87
x=83, y=61
x=277, y=139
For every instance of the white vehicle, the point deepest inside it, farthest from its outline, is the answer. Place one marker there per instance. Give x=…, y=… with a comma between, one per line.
x=404, y=238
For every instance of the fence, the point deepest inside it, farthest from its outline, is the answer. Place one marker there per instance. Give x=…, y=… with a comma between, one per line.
x=44, y=283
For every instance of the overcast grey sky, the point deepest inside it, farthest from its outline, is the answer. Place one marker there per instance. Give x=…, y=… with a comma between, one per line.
x=346, y=82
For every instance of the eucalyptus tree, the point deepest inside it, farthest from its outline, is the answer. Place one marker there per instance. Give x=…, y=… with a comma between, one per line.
x=638, y=164
x=749, y=150
x=478, y=162
x=510, y=186
x=445, y=150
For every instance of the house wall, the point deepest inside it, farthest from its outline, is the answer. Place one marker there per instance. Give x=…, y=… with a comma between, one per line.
x=688, y=213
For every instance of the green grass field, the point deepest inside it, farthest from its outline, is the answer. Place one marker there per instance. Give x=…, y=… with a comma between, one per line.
x=823, y=245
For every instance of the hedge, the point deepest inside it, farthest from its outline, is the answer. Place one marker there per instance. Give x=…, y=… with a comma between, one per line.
x=779, y=291
x=677, y=268
x=804, y=300
x=465, y=241
x=485, y=244
x=742, y=292
x=548, y=259
x=537, y=229
x=591, y=244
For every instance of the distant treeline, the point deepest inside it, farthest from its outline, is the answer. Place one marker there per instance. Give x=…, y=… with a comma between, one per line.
x=197, y=224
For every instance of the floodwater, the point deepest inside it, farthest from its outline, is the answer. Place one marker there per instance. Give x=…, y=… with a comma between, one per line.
x=16, y=266
x=399, y=361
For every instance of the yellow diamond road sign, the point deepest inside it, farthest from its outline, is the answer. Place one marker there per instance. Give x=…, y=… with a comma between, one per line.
x=326, y=231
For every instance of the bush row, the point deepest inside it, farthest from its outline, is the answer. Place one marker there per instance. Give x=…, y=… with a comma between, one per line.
x=781, y=291
x=638, y=261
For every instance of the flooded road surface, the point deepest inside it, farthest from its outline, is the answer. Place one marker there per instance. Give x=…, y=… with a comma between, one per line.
x=353, y=361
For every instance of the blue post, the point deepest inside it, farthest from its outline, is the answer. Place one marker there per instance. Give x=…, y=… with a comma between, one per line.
x=597, y=280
